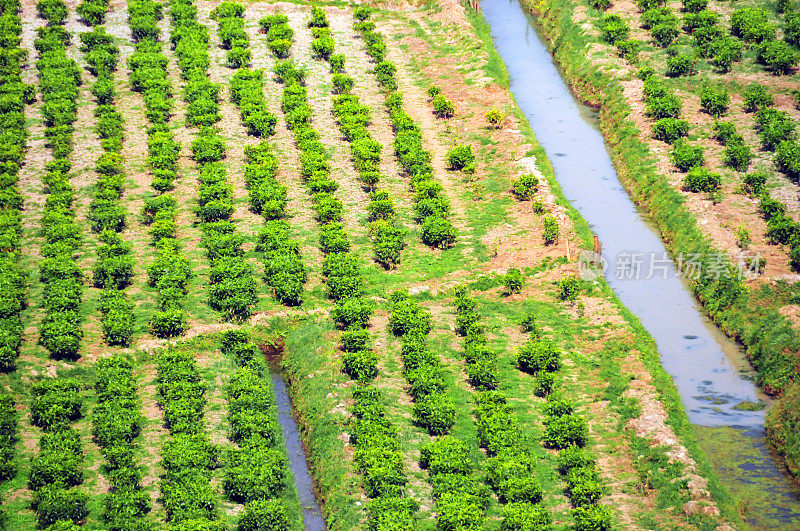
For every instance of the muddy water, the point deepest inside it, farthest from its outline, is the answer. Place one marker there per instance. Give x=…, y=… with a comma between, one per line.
x=710, y=372
x=312, y=515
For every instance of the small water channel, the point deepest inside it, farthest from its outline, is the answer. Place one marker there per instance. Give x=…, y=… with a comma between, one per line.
x=312, y=515
x=712, y=376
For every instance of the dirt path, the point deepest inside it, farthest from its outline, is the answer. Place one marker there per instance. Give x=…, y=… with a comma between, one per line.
x=153, y=436
x=30, y=184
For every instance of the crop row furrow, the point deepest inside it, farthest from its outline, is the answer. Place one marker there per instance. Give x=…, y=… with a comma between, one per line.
x=353, y=118
x=461, y=499
x=170, y=272
x=284, y=270
x=232, y=289
x=113, y=270
x=13, y=135
x=431, y=208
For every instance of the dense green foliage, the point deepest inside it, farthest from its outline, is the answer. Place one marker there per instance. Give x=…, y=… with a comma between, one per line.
x=58, y=467
x=114, y=267
x=232, y=290
x=188, y=456
x=59, y=78
x=116, y=423
x=13, y=136
x=169, y=273
x=257, y=472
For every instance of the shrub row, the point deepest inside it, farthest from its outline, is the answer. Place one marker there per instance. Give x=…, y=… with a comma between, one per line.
x=778, y=133
x=433, y=408
x=284, y=271
x=353, y=117
x=431, y=207
x=279, y=34
x=340, y=267
x=257, y=472
x=232, y=289
x=58, y=466
x=9, y=435
x=737, y=154
x=188, y=456
x=664, y=107
x=460, y=499
x=247, y=91
x=170, y=272
x=15, y=94
x=116, y=424
x=93, y=12
x=114, y=267
x=230, y=17
x=510, y=468
x=565, y=430
x=59, y=77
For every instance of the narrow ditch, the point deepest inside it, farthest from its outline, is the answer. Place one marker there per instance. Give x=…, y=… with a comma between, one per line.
x=298, y=462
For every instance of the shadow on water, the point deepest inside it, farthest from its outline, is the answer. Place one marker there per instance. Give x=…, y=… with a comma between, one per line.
x=712, y=376
x=312, y=515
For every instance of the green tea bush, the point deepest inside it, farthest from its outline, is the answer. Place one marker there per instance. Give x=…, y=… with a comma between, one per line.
x=715, y=100
x=774, y=127
x=435, y=413
x=527, y=516
x=551, y=231
x=264, y=515
x=701, y=180
x=361, y=365
x=460, y=157
x=613, y=28
x=681, y=64
x=538, y=355
x=754, y=183
x=737, y=155
x=513, y=280
x=670, y=129
x=780, y=57
x=752, y=24
x=525, y=186
x=787, y=159
x=442, y=107
x=593, y=518
x=756, y=97
x=686, y=156
x=567, y=430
